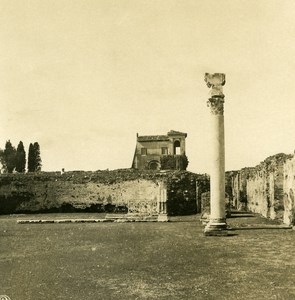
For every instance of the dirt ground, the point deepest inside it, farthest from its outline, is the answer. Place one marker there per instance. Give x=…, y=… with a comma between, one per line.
x=145, y=260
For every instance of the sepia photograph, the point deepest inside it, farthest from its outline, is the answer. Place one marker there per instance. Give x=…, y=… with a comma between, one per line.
x=147, y=149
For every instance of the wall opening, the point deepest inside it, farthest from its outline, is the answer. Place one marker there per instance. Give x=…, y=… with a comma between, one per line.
x=154, y=165
x=177, y=148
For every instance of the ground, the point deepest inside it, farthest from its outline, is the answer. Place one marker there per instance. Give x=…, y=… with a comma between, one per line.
x=145, y=260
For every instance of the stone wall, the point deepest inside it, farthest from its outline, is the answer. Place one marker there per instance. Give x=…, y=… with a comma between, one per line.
x=263, y=189
x=111, y=191
x=236, y=187
x=289, y=191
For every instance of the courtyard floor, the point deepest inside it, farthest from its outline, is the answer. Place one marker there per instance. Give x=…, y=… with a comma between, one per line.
x=171, y=260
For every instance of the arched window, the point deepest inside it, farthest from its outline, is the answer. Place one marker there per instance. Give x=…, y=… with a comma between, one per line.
x=154, y=165
x=177, y=148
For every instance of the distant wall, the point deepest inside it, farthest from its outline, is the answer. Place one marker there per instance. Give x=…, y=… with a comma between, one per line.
x=265, y=189
x=112, y=191
x=265, y=192
x=289, y=191
x=237, y=187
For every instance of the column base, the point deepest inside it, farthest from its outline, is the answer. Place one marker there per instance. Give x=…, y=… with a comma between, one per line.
x=163, y=218
x=216, y=228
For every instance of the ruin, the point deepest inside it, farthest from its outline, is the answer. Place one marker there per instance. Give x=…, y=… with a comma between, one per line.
x=217, y=223
x=144, y=193
x=267, y=189
x=158, y=184
x=155, y=152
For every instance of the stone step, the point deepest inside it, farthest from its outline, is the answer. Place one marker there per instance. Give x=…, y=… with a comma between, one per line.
x=132, y=217
x=116, y=216
x=28, y=221
x=110, y=218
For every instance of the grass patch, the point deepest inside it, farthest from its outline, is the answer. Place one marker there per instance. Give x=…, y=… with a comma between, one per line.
x=144, y=261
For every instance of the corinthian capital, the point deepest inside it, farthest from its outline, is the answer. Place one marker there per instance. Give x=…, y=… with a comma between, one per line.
x=216, y=105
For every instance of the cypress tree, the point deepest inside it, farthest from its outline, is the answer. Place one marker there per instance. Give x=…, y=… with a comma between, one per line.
x=9, y=157
x=2, y=161
x=20, y=161
x=38, y=161
x=31, y=158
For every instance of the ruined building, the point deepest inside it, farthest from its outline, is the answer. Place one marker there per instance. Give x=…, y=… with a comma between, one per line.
x=267, y=189
x=155, y=152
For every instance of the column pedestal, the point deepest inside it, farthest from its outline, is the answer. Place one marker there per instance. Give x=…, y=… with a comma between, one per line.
x=163, y=218
x=216, y=228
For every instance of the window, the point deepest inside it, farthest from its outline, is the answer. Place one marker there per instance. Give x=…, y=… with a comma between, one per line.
x=164, y=150
x=143, y=151
x=177, y=148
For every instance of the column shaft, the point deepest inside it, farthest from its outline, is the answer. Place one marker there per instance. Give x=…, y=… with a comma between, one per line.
x=217, y=180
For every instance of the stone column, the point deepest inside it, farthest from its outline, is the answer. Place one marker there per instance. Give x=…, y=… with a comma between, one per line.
x=162, y=204
x=217, y=223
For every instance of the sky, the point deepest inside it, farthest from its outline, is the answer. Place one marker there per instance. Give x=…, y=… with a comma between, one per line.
x=81, y=78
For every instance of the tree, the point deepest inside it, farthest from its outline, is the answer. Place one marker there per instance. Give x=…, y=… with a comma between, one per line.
x=20, y=158
x=34, y=158
x=9, y=157
x=38, y=161
x=31, y=158
x=2, y=160
x=174, y=162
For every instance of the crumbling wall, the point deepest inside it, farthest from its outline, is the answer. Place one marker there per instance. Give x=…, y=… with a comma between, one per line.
x=78, y=191
x=265, y=187
x=257, y=193
x=112, y=191
x=289, y=191
x=262, y=189
x=237, y=184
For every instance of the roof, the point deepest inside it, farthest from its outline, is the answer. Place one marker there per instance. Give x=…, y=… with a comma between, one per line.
x=173, y=132
x=147, y=138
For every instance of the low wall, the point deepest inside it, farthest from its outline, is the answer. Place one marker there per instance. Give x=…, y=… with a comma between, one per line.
x=111, y=191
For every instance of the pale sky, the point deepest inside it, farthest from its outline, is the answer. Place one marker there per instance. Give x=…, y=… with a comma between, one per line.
x=83, y=77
